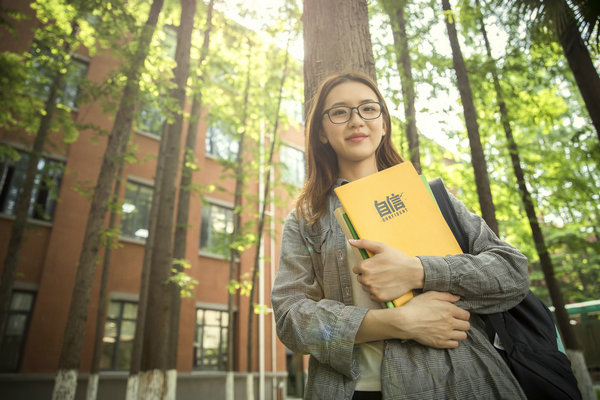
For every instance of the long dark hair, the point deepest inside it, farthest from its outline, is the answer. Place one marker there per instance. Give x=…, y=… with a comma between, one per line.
x=322, y=166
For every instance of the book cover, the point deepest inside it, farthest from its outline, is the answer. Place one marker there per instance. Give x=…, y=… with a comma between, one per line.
x=350, y=233
x=395, y=207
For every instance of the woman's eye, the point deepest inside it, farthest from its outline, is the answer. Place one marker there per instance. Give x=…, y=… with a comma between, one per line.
x=369, y=108
x=338, y=112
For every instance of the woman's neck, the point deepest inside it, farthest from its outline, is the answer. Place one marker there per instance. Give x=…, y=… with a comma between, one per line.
x=354, y=171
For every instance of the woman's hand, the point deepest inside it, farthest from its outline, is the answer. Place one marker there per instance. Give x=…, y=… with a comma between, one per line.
x=430, y=318
x=389, y=273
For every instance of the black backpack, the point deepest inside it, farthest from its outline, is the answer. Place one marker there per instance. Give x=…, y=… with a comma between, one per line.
x=527, y=331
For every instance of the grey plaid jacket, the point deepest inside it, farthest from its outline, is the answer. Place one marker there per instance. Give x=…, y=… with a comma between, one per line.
x=312, y=302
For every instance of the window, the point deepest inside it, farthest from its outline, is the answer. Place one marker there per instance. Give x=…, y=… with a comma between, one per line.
x=119, y=332
x=45, y=190
x=293, y=165
x=216, y=229
x=136, y=211
x=76, y=73
x=220, y=143
x=45, y=62
x=15, y=332
x=150, y=118
x=210, y=345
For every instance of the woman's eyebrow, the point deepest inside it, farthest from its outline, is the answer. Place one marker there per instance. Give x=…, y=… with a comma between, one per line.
x=343, y=103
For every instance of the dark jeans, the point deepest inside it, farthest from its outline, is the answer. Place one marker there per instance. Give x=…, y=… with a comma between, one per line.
x=366, y=396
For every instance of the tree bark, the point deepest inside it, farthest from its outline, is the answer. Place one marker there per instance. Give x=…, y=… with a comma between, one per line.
x=536, y=231
x=234, y=254
x=11, y=260
x=395, y=10
x=133, y=381
x=156, y=347
x=92, y=389
x=570, y=340
x=482, y=180
x=183, y=204
x=586, y=76
x=261, y=219
x=117, y=142
x=336, y=40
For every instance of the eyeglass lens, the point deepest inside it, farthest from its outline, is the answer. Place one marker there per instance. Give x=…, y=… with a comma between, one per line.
x=341, y=114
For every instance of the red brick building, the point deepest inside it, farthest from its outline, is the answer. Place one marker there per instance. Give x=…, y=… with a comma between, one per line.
x=31, y=344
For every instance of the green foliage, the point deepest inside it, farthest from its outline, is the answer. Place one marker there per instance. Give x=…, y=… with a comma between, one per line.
x=244, y=286
x=558, y=146
x=9, y=153
x=258, y=308
x=180, y=278
x=14, y=95
x=110, y=237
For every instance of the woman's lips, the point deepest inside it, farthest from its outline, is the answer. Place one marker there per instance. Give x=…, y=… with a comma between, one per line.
x=357, y=137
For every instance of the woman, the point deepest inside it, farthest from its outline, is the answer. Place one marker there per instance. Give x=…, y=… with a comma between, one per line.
x=327, y=303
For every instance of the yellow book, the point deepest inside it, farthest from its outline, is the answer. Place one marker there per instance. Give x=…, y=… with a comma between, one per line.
x=395, y=207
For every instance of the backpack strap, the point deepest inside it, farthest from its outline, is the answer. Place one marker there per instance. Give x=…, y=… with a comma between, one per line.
x=445, y=205
x=449, y=213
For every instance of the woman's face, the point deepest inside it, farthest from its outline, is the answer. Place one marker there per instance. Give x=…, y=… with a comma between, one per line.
x=356, y=140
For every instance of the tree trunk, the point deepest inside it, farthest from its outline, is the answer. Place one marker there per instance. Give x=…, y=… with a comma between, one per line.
x=117, y=142
x=562, y=317
x=11, y=260
x=183, y=204
x=133, y=381
x=156, y=347
x=92, y=389
x=586, y=76
x=482, y=180
x=336, y=40
x=395, y=10
x=233, y=252
x=261, y=220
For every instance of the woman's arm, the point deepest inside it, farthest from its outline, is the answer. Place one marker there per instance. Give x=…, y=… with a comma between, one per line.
x=328, y=329
x=430, y=319
x=492, y=277
x=306, y=321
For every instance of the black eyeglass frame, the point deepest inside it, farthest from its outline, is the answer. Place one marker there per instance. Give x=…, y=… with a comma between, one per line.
x=326, y=112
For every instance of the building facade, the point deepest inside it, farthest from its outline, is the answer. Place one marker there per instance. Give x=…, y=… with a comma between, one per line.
x=31, y=343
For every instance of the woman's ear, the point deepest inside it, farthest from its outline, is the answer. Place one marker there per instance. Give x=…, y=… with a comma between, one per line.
x=323, y=139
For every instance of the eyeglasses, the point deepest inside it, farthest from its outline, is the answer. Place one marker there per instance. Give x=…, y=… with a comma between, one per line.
x=343, y=114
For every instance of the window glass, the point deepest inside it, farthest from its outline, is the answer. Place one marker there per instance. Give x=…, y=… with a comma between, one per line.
x=216, y=229
x=136, y=211
x=210, y=346
x=119, y=332
x=220, y=143
x=293, y=171
x=76, y=73
x=126, y=344
x=15, y=331
x=45, y=64
x=130, y=311
x=21, y=301
x=150, y=118
x=45, y=190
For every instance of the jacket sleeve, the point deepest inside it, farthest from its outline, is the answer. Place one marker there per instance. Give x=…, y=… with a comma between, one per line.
x=491, y=278
x=306, y=321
